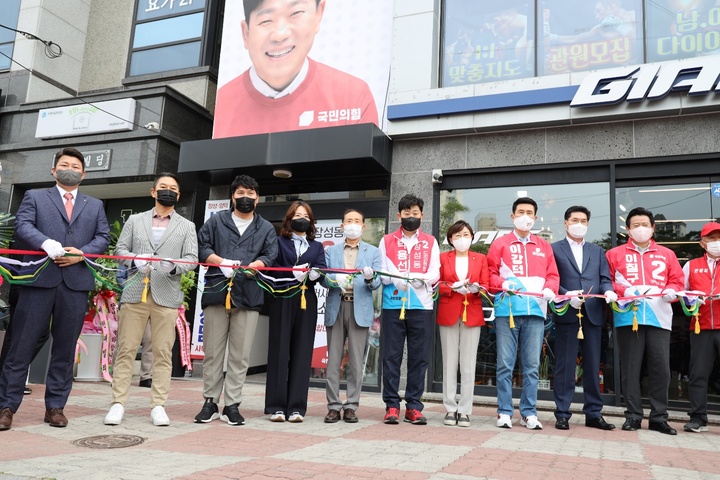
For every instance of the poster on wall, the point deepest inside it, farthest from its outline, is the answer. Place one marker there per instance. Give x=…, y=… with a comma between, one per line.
x=682, y=29
x=196, y=346
x=302, y=64
x=487, y=41
x=588, y=35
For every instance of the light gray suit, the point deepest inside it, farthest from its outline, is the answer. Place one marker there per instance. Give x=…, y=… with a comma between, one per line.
x=351, y=320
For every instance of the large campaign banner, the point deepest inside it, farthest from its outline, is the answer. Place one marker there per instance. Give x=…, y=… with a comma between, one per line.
x=488, y=41
x=682, y=28
x=196, y=347
x=576, y=36
x=301, y=64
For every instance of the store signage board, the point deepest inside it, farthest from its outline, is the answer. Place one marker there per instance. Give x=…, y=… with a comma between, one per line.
x=86, y=119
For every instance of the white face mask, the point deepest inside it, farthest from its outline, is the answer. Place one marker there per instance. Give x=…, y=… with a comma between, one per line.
x=352, y=231
x=462, y=244
x=641, y=234
x=577, y=230
x=524, y=223
x=713, y=248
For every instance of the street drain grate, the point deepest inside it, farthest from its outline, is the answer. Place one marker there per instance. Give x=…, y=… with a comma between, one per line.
x=109, y=441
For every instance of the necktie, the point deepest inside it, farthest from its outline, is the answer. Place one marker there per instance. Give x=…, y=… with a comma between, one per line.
x=68, y=205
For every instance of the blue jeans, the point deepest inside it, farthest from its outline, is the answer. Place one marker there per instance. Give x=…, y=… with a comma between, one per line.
x=530, y=331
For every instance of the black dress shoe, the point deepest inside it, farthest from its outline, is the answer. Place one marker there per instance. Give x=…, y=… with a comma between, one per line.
x=147, y=383
x=599, y=422
x=27, y=391
x=631, y=425
x=662, y=427
x=562, y=424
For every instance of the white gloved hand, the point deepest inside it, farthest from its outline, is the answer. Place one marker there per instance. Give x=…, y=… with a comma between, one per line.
x=226, y=267
x=631, y=292
x=401, y=284
x=417, y=283
x=669, y=295
x=575, y=301
x=167, y=265
x=368, y=273
x=53, y=248
x=141, y=264
x=313, y=274
x=457, y=284
x=474, y=288
x=342, y=280
x=463, y=290
x=299, y=274
x=548, y=294
x=610, y=296
x=509, y=285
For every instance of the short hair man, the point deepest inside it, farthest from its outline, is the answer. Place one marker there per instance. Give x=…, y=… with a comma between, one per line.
x=521, y=262
x=414, y=257
x=638, y=268
x=227, y=240
x=66, y=224
x=284, y=89
x=583, y=268
x=157, y=233
x=349, y=313
x=701, y=274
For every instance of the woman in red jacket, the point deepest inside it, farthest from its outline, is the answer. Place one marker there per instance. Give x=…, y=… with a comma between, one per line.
x=460, y=316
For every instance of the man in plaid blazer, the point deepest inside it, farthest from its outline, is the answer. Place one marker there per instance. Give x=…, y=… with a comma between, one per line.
x=152, y=293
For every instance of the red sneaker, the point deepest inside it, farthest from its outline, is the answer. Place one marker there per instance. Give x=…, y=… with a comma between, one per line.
x=415, y=417
x=392, y=415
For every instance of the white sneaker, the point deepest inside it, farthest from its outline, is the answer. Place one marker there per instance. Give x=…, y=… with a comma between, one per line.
x=277, y=417
x=295, y=417
x=531, y=422
x=504, y=421
x=159, y=417
x=115, y=414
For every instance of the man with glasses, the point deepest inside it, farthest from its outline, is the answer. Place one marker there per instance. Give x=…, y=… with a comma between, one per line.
x=649, y=276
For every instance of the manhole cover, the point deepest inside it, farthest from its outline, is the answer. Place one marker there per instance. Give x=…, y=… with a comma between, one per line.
x=109, y=441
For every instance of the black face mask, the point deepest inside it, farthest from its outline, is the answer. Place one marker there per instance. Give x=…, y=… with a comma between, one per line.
x=410, y=223
x=166, y=198
x=301, y=225
x=244, y=204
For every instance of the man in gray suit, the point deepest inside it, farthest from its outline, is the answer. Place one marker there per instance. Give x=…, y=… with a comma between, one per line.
x=349, y=313
x=583, y=268
x=152, y=293
x=66, y=224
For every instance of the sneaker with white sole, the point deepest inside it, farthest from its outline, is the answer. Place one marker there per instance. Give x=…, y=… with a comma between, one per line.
x=231, y=415
x=159, y=417
x=277, y=417
x=295, y=417
x=208, y=413
x=504, y=421
x=115, y=414
x=450, y=419
x=531, y=422
x=463, y=420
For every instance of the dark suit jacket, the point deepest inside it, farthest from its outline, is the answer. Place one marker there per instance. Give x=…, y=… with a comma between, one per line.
x=42, y=215
x=595, y=274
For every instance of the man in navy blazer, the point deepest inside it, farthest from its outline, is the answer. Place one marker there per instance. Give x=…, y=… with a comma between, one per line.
x=583, y=268
x=349, y=313
x=66, y=224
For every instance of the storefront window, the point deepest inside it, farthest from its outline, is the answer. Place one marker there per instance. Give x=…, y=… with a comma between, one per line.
x=487, y=42
x=682, y=29
x=488, y=211
x=679, y=211
x=576, y=36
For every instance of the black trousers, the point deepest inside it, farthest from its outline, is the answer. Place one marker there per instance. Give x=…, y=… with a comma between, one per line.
x=290, y=349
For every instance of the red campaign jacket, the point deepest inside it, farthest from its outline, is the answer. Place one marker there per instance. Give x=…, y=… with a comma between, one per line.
x=701, y=279
x=450, y=303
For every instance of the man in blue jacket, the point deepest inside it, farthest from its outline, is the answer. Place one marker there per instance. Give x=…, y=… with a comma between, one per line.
x=349, y=313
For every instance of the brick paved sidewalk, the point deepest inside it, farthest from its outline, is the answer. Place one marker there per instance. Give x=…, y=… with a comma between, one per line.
x=315, y=450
